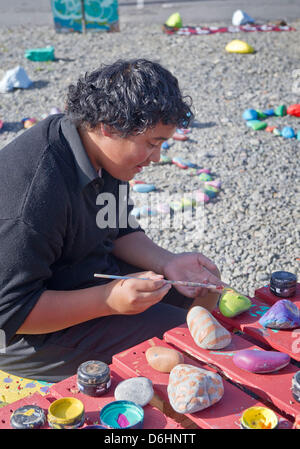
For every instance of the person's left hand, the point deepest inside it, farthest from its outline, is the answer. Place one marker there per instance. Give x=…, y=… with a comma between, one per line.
x=193, y=267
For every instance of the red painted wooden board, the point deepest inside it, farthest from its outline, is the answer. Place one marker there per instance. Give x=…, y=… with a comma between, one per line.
x=272, y=387
x=225, y=414
x=267, y=296
x=287, y=341
x=153, y=418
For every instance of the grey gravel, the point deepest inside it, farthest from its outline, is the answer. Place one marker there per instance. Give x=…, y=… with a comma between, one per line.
x=252, y=227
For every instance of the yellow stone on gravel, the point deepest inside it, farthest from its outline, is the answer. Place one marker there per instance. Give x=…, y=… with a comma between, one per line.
x=237, y=46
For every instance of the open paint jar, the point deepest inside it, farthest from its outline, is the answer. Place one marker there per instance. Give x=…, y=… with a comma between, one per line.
x=28, y=417
x=296, y=386
x=259, y=418
x=93, y=378
x=283, y=284
x=122, y=415
x=66, y=413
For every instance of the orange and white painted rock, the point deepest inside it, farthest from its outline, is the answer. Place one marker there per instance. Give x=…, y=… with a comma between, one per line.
x=163, y=359
x=192, y=389
x=206, y=331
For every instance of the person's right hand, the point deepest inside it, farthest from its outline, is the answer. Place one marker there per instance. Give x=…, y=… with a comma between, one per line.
x=132, y=296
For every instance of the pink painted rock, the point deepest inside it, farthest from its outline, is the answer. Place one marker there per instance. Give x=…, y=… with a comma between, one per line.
x=258, y=361
x=191, y=389
x=201, y=197
x=206, y=331
x=163, y=359
x=215, y=183
x=179, y=136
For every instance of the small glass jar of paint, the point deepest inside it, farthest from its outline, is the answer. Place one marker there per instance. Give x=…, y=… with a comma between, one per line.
x=66, y=413
x=122, y=415
x=283, y=284
x=28, y=417
x=93, y=378
x=259, y=418
x=296, y=386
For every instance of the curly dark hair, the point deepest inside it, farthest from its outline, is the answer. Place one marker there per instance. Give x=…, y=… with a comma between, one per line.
x=130, y=96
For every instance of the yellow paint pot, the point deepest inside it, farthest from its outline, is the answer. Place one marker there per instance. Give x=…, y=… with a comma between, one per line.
x=259, y=418
x=66, y=413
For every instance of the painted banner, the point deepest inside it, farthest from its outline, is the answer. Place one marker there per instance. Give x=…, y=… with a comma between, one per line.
x=89, y=15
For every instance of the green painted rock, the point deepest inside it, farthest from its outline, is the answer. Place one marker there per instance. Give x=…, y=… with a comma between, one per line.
x=280, y=111
x=174, y=20
x=233, y=303
x=276, y=132
x=257, y=124
x=261, y=115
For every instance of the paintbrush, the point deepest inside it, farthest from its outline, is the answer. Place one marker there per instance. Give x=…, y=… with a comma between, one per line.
x=217, y=288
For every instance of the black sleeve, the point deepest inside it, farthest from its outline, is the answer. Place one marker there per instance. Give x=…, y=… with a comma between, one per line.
x=127, y=222
x=25, y=265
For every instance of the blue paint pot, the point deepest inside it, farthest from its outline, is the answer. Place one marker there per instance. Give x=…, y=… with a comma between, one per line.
x=133, y=413
x=28, y=417
x=93, y=378
x=283, y=284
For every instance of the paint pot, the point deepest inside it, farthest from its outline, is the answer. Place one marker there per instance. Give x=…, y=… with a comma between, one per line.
x=296, y=386
x=283, y=284
x=131, y=412
x=66, y=413
x=94, y=426
x=28, y=417
x=259, y=418
x=93, y=378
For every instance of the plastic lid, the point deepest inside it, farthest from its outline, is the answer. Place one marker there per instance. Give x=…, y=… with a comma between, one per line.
x=93, y=372
x=283, y=278
x=28, y=417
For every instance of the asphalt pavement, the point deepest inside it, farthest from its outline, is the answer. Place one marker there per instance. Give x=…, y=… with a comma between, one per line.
x=194, y=12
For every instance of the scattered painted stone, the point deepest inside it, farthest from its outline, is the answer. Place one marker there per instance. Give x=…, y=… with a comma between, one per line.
x=261, y=115
x=163, y=359
x=179, y=162
x=1, y=124
x=276, y=132
x=144, y=188
x=206, y=331
x=136, y=389
x=233, y=303
x=205, y=177
x=29, y=122
x=203, y=170
x=132, y=182
x=288, y=132
x=250, y=114
x=284, y=314
x=298, y=135
x=181, y=137
x=40, y=54
x=201, y=197
x=211, y=191
x=174, y=20
x=164, y=159
x=215, y=183
x=241, y=18
x=165, y=145
x=281, y=111
x=257, y=125
x=191, y=389
x=270, y=129
x=183, y=130
x=294, y=109
x=259, y=361
x=188, y=203
x=54, y=110
x=269, y=112
x=15, y=78
x=146, y=211
x=238, y=46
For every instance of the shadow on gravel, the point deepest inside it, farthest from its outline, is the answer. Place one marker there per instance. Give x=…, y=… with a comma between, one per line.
x=204, y=125
x=38, y=84
x=11, y=127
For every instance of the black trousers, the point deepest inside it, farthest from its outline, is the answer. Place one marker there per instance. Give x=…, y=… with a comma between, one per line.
x=56, y=356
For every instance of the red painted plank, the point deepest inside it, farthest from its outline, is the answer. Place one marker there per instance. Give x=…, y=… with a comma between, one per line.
x=267, y=296
x=225, y=414
x=272, y=387
x=153, y=419
x=287, y=341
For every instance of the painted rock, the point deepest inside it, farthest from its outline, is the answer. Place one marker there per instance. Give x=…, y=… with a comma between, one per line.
x=276, y=132
x=136, y=389
x=237, y=46
x=203, y=170
x=206, y=331
x=261, y=115
x=179, y=136
x=191, y=389
x=288, y=132
x=132, y=182
x=29, y=122
x=183, y=130
x=188, y=203
x=146, y=211
x=270, y=129
x=211, y=191
x=165, y=145
x=281, y=110
x=298, y=135
x=163, y=359
x=205, y=177
x=1, y=124
x=144, y=188
x=294, y=109
x=233, y=303
x=269, y=112
x=257, y=125
x=215, y=183
x=250, y=114
x=241, y=18
x=164, y=159
x=179, y=162
x=284, y=314
x=201, y=197
x=54, y=110
x=174, y=20
x=259, y=361
x=15, y=78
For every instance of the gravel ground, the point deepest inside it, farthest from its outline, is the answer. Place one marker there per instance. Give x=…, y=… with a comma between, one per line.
x=252, y=227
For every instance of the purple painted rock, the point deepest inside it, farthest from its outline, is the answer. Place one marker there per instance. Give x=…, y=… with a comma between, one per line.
x=215, y=183
x=206, y=331
x=191, y=389
x=258, y=361
x=284, y=314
